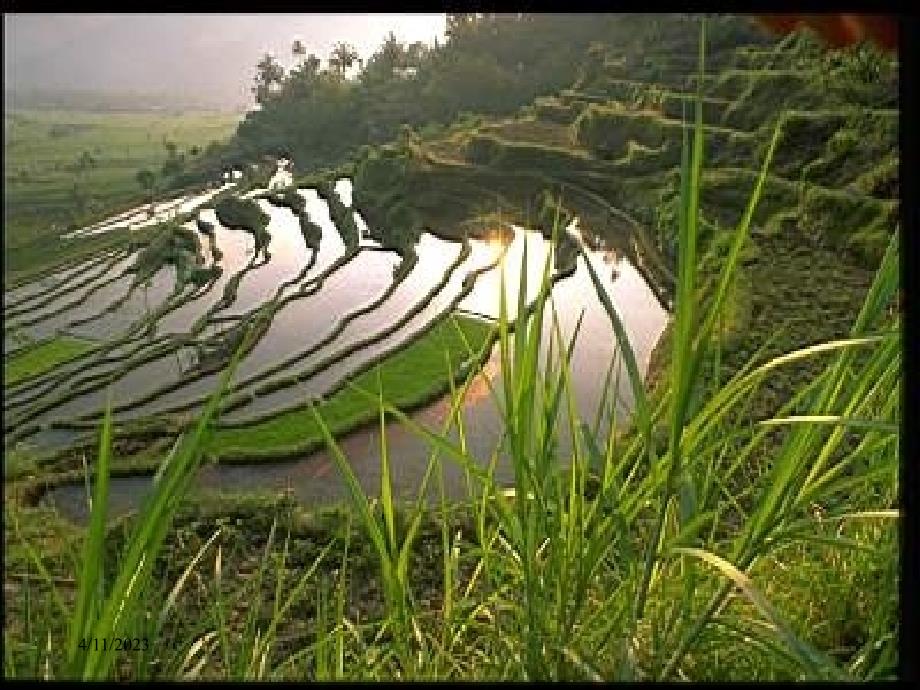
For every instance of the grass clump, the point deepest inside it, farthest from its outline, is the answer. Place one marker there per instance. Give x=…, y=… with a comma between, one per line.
x=525, y=157
x=172, y=244
x=762, y=90
x=288, y=198
x=291, y=199
x=234, y=212
x=882, y=180
x=202, y=275
x=838, y=219
x=858, y=144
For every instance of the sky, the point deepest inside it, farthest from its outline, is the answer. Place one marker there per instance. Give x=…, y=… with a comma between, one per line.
x=213, y=55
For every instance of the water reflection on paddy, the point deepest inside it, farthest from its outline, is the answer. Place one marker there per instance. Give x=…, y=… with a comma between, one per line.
x=343, y=190
x=339, y=307
x=236, y=247
x=288, y=257
x=295, y=327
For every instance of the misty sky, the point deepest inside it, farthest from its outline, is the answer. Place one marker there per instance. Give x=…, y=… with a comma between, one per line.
x=211, y=54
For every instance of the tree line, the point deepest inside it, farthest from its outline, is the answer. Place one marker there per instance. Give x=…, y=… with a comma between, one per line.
x=489, y=64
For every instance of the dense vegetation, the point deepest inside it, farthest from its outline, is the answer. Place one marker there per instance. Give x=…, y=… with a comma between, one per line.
x=490, y=63
x=744, y=526
x=172, y=244
x=234, y=212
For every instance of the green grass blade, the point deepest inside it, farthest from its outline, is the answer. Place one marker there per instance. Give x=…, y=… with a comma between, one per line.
x=636, y=380
x=357, y=495
x=681, y=366
x=834, y=420
x=386, y=483
x=88, y=594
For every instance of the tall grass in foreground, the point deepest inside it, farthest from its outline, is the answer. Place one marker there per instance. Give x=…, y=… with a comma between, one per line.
x=631, y=582
x=631, y=557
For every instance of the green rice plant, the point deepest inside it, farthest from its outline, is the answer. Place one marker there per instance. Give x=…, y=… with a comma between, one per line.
x=43, y=357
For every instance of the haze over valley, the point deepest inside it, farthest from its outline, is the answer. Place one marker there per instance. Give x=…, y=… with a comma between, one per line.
x=174, y=60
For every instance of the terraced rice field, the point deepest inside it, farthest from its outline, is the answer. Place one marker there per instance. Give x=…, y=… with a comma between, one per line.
x=329, y=314
x=332, y=314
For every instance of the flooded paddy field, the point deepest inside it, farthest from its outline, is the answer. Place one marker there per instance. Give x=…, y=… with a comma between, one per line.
x=329, y=313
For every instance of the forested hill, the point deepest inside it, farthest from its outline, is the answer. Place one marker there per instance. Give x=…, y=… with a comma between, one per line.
x=511, y=106
x=490, y=64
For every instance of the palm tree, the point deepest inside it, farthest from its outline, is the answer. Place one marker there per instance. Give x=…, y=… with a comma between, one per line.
x=298, y=50
x=342, y=57
x=269, y=76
